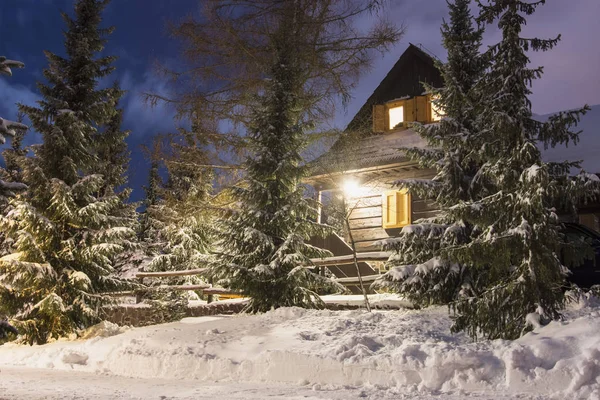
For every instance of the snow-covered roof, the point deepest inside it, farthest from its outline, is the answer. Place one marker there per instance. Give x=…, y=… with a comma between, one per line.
x=371, y=151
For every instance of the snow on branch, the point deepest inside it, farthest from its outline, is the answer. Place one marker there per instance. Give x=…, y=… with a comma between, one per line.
x=6, y=65
x=9, y=128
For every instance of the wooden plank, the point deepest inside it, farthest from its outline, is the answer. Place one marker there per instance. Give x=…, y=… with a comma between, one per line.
x=160, y=287
x=355, y=280
x=411, y=174
x=363, y=202
x=180, y=287
x=333, y=243
x=372, y=222
x=221, y=291
x=165, y=274
x=423, y=214
x=363, y=247
x=361, y=235
x=409, y=112
x=379, y=118
x=349, y=259
x=349, y=270
x=421, y=112
x=368, y=212
x=125, y=293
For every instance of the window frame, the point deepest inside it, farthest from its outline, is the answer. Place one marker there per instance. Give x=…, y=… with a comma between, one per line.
x=402, y=203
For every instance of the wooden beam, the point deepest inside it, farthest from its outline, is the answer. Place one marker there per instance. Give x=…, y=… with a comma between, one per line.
x=349, y=259
x=125, y=293
x=181, y=287
x=165, y=274
x=354, y=279
x=220, y=291
x=326, y=180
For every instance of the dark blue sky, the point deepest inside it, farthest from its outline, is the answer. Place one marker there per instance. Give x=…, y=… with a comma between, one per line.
x=27, y=27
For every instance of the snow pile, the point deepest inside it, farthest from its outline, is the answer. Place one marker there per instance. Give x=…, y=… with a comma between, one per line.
x=382, y=300
x=406, y=350
x=103, y=329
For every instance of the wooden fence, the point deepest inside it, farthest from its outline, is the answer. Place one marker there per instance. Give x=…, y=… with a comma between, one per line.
x=210, y=290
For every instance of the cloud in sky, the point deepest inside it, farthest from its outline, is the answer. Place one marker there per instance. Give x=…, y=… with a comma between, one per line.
x=140, y=117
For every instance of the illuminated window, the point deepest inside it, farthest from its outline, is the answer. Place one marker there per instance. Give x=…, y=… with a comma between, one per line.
x=396, y=209
x=436, y=112
x=396, y=116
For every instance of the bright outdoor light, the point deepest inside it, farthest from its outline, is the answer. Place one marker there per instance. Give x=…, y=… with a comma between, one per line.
x=351, y=188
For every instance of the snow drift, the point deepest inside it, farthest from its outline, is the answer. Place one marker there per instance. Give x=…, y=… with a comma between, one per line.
x=407, y=349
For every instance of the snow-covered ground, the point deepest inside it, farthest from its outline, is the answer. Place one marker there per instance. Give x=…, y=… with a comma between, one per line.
x=306, y=354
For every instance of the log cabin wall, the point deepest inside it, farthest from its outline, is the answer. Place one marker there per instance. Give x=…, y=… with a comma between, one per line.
x=366, y=210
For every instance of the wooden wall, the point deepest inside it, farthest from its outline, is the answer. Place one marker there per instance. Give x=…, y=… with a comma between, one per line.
x=366, y=211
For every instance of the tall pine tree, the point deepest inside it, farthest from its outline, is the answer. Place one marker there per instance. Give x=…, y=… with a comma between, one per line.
x=178, y=216
x=149, y=226
x=65, y=232
x=517, y=245
x=8, y=184
x=12, y=177
x=110, y=148
x=418, y=267
x=263, y=249
x=502, y=234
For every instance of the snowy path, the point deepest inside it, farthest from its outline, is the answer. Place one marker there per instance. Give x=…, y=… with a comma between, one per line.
x=45, y=384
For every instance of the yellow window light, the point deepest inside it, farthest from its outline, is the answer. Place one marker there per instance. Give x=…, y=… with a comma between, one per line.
x=396, y=116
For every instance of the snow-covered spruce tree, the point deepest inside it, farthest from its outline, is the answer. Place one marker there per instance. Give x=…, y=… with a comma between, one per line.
x=150, y=226
x=10, y=176
x=419, y=268
x=12, y=170
x=64, y=228
x=111, y=151
x=501, y=237
x=262, y=251
x=182, y=217
x=8, y=185
x=11, y=173
x=516, y=243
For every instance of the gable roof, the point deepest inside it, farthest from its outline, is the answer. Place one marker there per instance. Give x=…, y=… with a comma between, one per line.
x=359, y=147
x=404, y=80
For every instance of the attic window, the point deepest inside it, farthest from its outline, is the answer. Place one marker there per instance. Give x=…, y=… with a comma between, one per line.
x=396, y=116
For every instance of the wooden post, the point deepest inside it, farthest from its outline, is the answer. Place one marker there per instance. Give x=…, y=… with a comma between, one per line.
x=138, y=294
x=319, y=205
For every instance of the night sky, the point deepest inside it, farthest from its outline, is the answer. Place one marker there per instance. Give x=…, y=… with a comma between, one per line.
x=27, y=27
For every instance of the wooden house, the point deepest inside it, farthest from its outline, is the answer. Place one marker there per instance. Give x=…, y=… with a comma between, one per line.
x=365, y=162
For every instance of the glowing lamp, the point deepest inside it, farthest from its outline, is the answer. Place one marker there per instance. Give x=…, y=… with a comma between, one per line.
x=351, y=188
